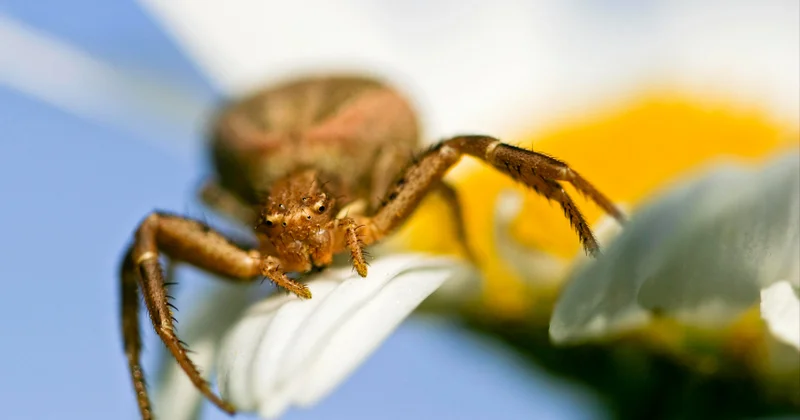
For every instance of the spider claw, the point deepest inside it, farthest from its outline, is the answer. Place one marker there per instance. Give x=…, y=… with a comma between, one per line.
x=301, y=290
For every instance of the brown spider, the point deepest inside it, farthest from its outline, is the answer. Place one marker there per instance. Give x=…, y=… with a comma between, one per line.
x=318, y=166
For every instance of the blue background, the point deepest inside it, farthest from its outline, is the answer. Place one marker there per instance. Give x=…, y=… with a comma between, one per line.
x=71, y=193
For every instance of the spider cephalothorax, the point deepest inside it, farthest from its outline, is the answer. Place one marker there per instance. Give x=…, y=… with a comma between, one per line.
x=298, y=220
x=334, y=155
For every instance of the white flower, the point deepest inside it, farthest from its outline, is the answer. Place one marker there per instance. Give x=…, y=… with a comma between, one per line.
x=519, y=60
x=702, y=252
x=538, y=267
x=286, y=351
x=98, y=91
x=536, y=58
x=202, y=325
x=780, y=309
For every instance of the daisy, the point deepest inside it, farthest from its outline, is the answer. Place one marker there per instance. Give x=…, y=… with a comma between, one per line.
x=613, y=91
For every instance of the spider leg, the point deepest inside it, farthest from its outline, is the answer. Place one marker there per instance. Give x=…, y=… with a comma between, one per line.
x=389, y=162
x=505, y=156
x=195, y=243
x=226, y=204
x=131, y=334
x=535, y=170
x=352, y=241
x=450, y=195
x=553, y=191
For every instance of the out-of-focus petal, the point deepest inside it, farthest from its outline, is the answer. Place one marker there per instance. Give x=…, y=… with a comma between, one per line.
x=520, y=55
x=780, y=309
x=207, y=320
x=530, y=264
x=96, y=90
x=538, y=266
x=285, y=351
x=700, y=253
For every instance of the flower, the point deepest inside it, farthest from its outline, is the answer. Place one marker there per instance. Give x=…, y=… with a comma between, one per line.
x=700, y=253
x=285, y=351
x=780, y=309
x=606, y=147
x=532, y=68
x=202, y=326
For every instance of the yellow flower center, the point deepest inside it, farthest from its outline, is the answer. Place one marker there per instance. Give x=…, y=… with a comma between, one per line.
x=628, y=153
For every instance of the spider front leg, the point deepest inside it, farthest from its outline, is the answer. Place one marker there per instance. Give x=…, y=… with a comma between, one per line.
x=450, y=196
x=346, y=236
x=225, y=203
x=535, y=170
x=192, y=242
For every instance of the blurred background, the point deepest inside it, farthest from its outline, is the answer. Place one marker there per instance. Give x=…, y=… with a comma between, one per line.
x=102, y=114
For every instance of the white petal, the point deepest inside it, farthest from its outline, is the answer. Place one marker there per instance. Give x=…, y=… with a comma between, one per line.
x=533, y=265
x=210, y=317
x=366, y=329
x=700, y=252
x=95, y=90
x=465, y=286
x=286, y=351
x=537, y=266
x=519, y=60
x=176, y=397
x=240, y=356
x=780, y=309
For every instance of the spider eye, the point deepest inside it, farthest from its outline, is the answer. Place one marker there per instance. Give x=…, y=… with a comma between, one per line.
x=264, y=222
x=321, y=209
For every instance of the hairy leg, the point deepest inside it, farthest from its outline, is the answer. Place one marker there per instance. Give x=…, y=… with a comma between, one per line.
x=535, y=170
x=515, y=160
x=131, y=334
x=193, y=242
x=347, y=237
x=450, y=195
x=389, y=163
x=226, y=204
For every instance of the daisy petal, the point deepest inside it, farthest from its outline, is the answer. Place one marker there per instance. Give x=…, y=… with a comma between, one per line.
x=96, y=90
x=176, y=397
x=539, y=267
x=533, y=265
x=378, y=317
x=285, y=351
x=780, y=309
x=700, y=253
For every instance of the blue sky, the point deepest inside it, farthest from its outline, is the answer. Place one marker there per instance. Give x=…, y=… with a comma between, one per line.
x=73, y=190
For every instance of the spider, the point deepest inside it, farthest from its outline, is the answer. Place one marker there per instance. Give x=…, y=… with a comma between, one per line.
x=318, y=166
